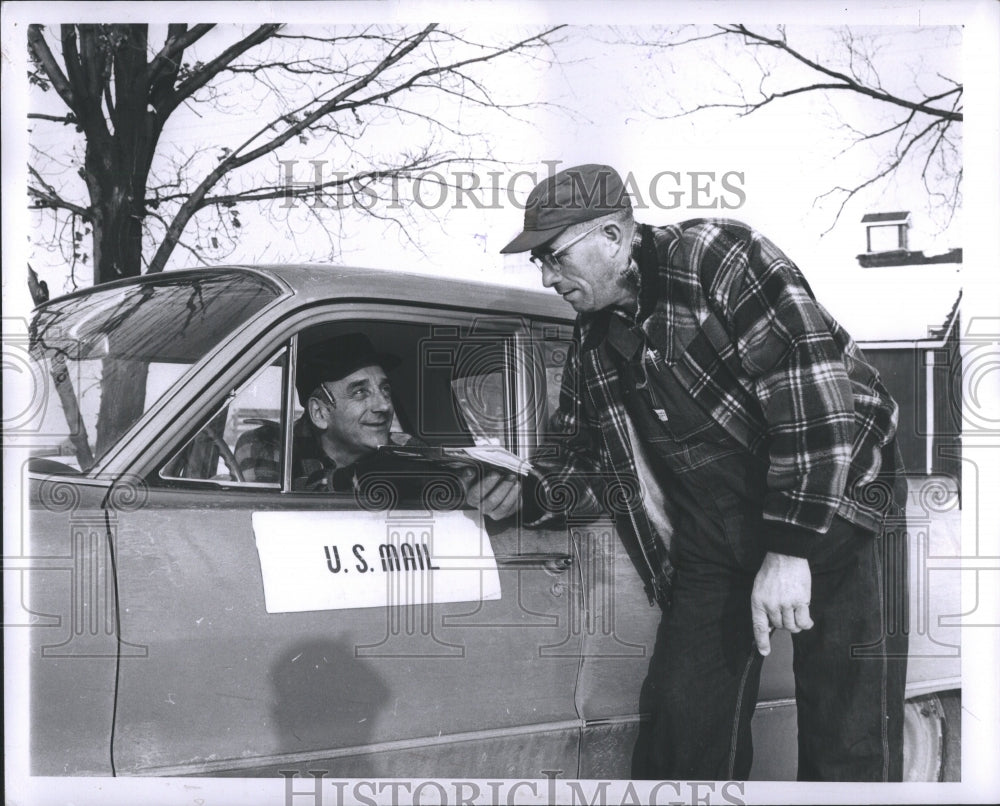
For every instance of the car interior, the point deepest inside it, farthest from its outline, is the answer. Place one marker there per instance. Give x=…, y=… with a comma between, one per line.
x=452, y=387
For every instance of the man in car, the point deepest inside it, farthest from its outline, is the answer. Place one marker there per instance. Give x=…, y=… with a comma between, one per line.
x=343, y=386
x=752, y=451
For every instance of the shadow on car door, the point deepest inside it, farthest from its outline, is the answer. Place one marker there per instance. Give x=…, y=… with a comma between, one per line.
x=232, y=685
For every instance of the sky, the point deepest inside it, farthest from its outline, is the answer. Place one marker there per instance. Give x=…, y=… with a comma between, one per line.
x=605, y=100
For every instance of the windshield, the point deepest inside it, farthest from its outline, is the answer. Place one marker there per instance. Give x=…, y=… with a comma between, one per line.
x=107, y=356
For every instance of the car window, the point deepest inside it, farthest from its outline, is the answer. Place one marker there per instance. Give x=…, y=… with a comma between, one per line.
x=453, y=386
x=553, y=344
x=241, y=441
x=467, y=387
x=109, y=355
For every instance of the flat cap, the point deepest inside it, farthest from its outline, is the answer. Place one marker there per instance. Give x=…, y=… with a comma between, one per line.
x=572, y=196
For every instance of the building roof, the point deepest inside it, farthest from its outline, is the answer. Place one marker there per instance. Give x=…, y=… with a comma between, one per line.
x=876, y=218
x=895, y=316
x=949, y=322
x=892, y=303
x=906, y=257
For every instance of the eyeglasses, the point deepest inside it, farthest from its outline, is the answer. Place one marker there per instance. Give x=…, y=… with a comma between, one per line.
x=550, y=258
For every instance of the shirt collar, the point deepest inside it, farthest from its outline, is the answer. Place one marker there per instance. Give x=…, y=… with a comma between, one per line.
x=632, y=275
x=306, y=444
x=623, y=336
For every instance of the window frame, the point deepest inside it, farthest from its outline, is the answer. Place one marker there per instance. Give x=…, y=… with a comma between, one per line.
x=517, y=329
x=177, y=482
x=545, y=331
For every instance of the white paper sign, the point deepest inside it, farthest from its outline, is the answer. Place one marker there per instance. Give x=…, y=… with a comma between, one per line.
x=339, y=560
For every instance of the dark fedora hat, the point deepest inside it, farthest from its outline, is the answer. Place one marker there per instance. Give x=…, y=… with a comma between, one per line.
x=336, y=358
x=572, y=196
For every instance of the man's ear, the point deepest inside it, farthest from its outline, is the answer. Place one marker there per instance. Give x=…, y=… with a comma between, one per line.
x=316, y=412
x=615, y=234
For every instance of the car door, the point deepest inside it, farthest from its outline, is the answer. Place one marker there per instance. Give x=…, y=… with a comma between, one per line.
x=618, y=624
x=66, y=621
x=253, y=666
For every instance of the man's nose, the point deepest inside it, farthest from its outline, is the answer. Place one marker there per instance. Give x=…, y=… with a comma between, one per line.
x=549, y=276
x=381, y=401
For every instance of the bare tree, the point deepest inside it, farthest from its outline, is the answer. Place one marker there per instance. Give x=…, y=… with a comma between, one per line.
x=120, y=186
x=923, y=110
x=123, y=192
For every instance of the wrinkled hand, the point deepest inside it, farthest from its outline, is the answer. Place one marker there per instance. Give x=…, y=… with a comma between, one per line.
x=780, y=598
x=497, y=494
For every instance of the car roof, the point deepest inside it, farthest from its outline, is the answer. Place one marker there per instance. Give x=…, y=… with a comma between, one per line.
x=317, y=282
x=304, y=284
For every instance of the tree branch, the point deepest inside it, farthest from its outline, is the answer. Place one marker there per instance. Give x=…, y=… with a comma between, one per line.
x=43, y=56
x=328, y=107
x=843, y=81
x=180, y=242
x=68, y=119
x=86, y=95
x=892, y=166
x=384, y=71
x=850, y=64
x=847, y=81
x=201, y=77
x=179, y=39
x=50, y=197
x=195, y=201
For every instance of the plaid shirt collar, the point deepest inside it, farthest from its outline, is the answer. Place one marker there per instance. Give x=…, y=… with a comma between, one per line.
x=656, y=312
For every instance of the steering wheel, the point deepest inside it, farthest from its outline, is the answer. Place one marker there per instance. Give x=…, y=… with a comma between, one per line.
x=226, y=454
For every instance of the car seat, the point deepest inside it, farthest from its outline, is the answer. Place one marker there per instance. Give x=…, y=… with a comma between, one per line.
x=258, y=453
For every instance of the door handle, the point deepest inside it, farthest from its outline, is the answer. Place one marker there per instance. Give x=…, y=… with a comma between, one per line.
x=553, y=562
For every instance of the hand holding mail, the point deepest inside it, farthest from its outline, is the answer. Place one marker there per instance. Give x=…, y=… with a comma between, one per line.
x=496, y=493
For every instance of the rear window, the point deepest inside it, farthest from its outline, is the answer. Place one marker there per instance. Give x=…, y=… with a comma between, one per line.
x=109, y=355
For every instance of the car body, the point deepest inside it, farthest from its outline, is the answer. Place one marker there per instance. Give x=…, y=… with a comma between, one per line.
x=175, y=628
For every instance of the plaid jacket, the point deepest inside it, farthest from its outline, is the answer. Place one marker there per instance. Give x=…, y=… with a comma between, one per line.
x=258, y=454
x=732, y=317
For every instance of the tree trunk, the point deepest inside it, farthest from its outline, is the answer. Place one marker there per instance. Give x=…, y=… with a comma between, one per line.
x=122, y=132
x=110, y=76
x=117, y=230
x=123, y=399
x=71, y=410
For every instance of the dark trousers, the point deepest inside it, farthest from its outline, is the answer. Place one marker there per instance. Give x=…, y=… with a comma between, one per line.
x=850, y=668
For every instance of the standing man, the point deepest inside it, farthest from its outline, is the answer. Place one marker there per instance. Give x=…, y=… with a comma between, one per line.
x=760, y=449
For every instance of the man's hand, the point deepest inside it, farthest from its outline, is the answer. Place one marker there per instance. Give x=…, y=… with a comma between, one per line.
x=497, y=494
x=780, y=598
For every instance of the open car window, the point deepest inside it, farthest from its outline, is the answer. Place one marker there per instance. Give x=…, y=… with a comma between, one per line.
x=467, y=380
x=454, y=386
x=241, y=443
